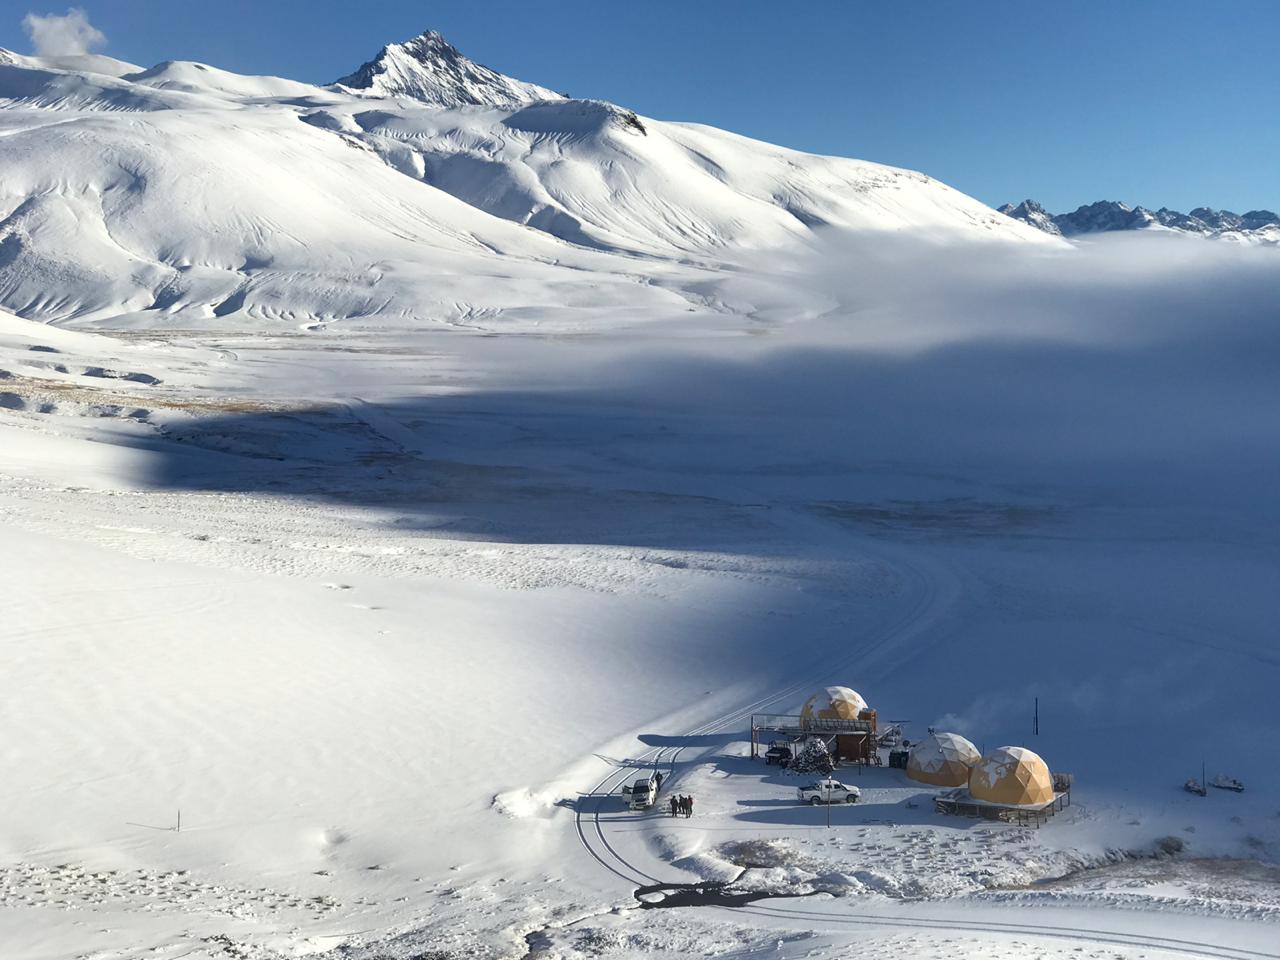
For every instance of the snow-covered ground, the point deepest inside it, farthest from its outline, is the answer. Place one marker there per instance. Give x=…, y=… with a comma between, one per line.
x=386, y=609
x=388, y=618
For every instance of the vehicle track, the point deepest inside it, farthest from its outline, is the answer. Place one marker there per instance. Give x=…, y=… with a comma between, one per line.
x=1112, y=937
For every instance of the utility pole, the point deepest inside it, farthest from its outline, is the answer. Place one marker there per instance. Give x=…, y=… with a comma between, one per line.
x=1035, y=722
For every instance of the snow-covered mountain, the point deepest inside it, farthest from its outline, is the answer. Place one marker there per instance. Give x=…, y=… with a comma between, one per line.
x=1030, y=212
x=421, y=187
x=1108, y=215
x=430, y=69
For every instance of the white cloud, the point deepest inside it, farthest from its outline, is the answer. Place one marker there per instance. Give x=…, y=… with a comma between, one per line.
x=62, y=36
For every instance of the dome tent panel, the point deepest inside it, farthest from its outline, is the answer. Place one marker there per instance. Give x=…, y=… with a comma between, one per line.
x=942, y=760
x=1011, y=775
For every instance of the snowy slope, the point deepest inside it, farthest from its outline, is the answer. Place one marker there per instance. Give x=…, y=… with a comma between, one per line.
x=79, y=63
x=595, y=174
x=142, y=197
x=183, y=194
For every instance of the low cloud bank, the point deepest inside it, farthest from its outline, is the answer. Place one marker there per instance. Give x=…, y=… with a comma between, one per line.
x=1136, y=360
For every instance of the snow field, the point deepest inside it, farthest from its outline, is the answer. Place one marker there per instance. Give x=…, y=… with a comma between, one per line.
x=377, y=649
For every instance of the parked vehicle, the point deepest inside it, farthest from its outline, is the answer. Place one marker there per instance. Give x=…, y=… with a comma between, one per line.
x=890, y=736
x=642, y=793
x=828, y=791
x=779, y=753
x=1223, y=782
x=1195, y=786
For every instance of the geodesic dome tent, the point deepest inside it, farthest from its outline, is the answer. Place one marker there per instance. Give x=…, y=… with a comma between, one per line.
x=943, y=760
x=832, y=703
x=1011, y=775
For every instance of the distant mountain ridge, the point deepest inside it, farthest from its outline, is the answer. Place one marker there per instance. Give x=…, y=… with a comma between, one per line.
x=1109, y=215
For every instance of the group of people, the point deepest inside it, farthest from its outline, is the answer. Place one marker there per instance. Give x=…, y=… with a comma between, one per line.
x=680, y=805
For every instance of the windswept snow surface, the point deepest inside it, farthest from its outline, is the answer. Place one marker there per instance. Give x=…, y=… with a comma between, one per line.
x=381, y=533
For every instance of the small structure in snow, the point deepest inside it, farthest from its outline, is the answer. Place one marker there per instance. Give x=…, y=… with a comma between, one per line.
x=942, y=760
x=849, y=739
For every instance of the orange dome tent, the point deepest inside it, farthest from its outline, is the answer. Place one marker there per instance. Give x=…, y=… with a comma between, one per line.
x=1011, y=775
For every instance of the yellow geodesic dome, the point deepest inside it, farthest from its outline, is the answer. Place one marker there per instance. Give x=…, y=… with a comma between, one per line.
x=943, y=760
x=832, y=703
x=1011, y=775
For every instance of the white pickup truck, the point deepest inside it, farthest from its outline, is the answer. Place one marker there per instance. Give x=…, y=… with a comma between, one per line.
x=828, y=791
x=643, y=793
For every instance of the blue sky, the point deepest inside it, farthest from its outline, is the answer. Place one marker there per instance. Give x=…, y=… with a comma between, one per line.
x=1067, y=101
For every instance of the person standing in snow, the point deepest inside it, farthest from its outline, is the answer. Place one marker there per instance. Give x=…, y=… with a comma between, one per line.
x=688, y=806
x=674, y=804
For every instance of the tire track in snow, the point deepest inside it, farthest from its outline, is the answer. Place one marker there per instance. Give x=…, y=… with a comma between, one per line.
x=1075, y=934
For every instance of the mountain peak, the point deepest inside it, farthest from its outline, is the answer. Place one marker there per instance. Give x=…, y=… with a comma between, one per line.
x=431, y=69
x=1028, y=211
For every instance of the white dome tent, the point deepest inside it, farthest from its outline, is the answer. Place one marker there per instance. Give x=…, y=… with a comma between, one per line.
x=942, y=760
x=833, y=703
x=843, y=715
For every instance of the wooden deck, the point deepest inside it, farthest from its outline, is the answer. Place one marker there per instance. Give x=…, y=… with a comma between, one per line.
x=959, y=803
